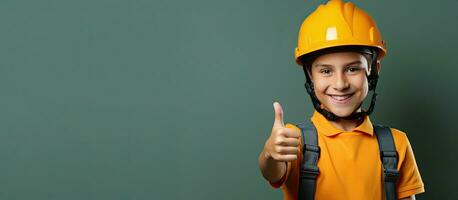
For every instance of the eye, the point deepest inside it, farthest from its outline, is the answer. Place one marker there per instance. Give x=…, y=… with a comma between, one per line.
x=353, y=69
x=325, y=71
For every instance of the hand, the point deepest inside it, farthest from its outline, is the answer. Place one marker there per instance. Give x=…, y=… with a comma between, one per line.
x=283, y=143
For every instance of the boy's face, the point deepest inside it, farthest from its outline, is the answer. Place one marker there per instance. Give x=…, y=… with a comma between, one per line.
x=340, y=81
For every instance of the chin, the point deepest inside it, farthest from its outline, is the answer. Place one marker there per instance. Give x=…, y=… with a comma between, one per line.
x=342, y=112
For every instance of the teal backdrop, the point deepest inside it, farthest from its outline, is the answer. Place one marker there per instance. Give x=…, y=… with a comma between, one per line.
x=156, y=99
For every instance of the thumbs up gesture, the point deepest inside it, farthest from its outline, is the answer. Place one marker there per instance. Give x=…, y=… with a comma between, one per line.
x=283, y=143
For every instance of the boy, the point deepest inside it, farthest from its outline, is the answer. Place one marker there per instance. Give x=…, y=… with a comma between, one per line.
x=340, y=49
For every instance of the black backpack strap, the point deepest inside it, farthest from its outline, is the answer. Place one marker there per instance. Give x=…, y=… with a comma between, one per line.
x=389, y=158
x=310, y=154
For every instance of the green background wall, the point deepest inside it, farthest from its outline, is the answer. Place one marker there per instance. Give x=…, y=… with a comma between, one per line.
x=141, y=99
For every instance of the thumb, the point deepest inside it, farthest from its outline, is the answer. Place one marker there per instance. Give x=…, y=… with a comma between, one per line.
x=278, y=115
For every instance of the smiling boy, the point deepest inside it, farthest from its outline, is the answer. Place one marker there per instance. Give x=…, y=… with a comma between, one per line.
x=339, y=153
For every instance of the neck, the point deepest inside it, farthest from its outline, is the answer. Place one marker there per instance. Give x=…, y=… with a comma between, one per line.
x=347, y=125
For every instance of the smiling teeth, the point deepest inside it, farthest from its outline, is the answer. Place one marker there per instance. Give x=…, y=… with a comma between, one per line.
x=340, y=98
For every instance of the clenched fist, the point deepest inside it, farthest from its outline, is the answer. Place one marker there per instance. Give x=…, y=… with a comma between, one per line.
x=283, y=143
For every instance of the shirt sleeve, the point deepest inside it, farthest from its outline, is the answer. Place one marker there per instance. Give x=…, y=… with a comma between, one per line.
x=409, y=182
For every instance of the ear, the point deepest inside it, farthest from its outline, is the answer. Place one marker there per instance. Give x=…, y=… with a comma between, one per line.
x=377, y=64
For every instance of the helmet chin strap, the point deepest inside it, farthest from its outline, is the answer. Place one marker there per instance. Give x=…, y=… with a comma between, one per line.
x=355, y=115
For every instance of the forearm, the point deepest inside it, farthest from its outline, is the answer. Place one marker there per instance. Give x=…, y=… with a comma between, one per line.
x=271, y=169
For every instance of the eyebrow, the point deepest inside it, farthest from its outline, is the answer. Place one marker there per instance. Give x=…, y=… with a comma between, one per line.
x=346, y=64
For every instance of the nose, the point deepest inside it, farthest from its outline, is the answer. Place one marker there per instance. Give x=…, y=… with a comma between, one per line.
x=340, y=82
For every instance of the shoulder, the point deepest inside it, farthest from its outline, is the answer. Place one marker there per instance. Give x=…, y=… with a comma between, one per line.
x=398, y=135
x=400, y=139
x=401, y=142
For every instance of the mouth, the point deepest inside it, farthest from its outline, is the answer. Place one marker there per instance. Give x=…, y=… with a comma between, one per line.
x=340, y=99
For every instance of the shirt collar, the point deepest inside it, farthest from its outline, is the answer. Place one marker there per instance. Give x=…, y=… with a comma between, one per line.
x=328, y=129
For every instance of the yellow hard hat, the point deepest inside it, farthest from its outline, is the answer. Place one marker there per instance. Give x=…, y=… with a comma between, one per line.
x=338, y=24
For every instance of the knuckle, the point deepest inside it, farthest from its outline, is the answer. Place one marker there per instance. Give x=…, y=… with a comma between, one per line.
x=277, y=149
x=292, y=143
x=280, y=131
x=278, y=157
x=279, y=140
x=295, y=133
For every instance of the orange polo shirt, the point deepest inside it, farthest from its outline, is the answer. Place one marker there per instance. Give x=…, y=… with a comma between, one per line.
x=350, y=166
